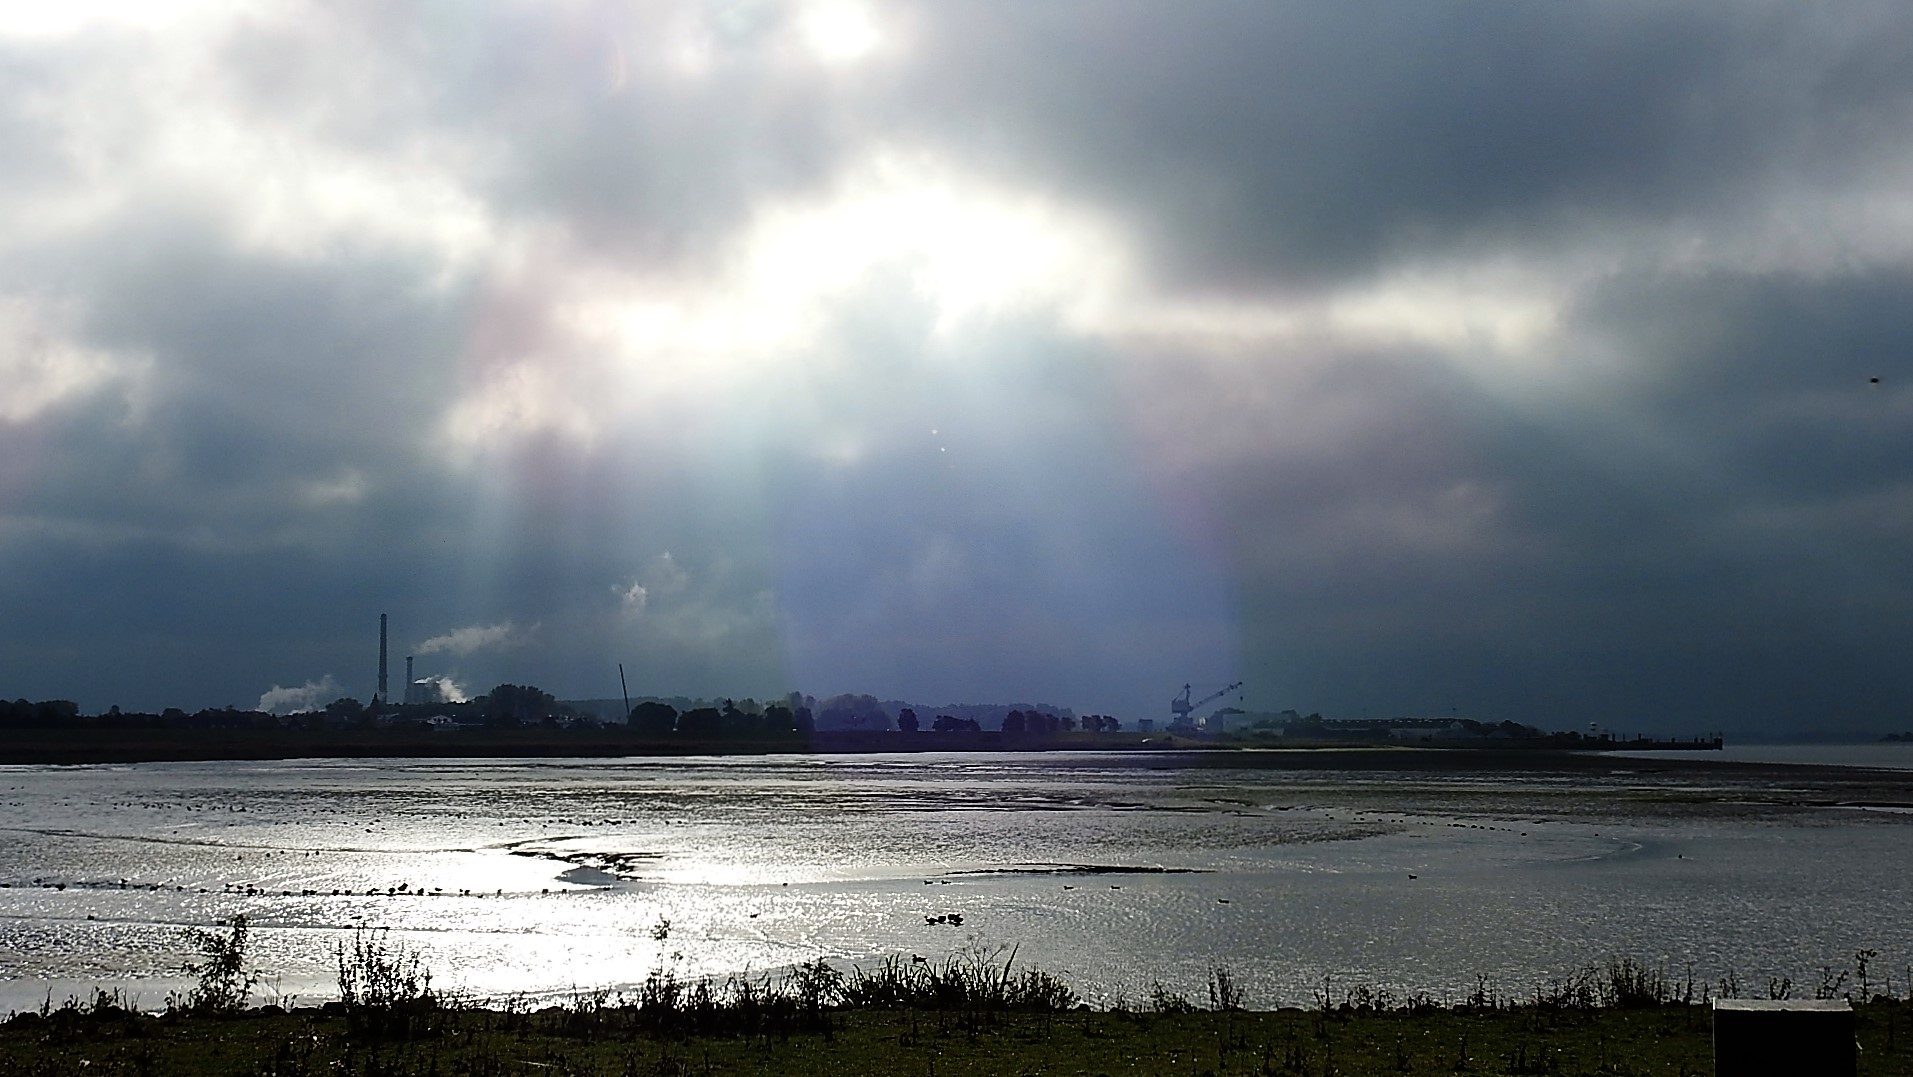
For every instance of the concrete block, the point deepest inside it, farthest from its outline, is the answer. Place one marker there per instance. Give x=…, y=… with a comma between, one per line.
x=1778, y=1037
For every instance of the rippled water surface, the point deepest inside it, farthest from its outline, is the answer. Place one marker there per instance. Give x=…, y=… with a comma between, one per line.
x=1115, y=871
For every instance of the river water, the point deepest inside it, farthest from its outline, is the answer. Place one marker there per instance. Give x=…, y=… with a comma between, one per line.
x=1116, y=871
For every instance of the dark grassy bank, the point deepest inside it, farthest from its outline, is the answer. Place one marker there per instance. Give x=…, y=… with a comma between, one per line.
x=1532, y=1039
x=976, y=1012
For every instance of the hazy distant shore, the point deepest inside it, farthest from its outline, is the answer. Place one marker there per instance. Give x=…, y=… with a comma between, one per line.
x=93, y=746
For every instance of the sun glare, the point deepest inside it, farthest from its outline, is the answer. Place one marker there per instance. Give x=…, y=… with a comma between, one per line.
x=40, y=19
x=968, y=251
x=840, y=33
x=971, y=253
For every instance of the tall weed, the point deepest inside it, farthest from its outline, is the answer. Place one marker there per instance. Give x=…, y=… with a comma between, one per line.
x=385, y=988
x=225, y=983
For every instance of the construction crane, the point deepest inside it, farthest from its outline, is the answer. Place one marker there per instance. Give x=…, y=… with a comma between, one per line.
x=1181, y=707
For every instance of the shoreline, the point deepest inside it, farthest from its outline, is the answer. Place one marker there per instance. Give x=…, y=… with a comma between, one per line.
x=1797, y=784
x=89, y=746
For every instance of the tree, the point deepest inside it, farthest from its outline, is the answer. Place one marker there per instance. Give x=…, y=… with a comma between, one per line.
x=653, y=719
x=779, y=721
x=1014, y=722
x=516, y=704
x=853, y=712
x=703, y=722
x=907, y=721
x=48, y=713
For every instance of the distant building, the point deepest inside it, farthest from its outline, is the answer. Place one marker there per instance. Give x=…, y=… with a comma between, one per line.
x=1226, y=720
x=1429, y=729
x=424, y=692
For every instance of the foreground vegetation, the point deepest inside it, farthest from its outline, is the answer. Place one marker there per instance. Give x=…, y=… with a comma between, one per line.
x=1674, y=1040
x=976, y=1012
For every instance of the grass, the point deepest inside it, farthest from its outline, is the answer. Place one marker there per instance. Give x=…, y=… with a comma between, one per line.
x=87, y=1041
x=975, y=1013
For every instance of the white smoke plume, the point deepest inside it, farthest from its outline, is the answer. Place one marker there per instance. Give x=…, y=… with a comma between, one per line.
x=464, y=641
x=450, y=691
x=439, y=688
x=309, y=696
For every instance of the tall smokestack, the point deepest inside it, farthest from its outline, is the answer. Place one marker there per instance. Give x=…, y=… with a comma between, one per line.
x=380, y=697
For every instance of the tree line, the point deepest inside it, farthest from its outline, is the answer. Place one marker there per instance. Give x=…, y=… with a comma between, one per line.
x=518, y=705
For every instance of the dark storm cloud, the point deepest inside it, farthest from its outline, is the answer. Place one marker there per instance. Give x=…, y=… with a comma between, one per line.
x=1774, y=372
x=1718, y=542
x=271, y=378
x=1294, y=141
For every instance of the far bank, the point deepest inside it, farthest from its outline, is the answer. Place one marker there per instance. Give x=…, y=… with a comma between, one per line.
x=84, y=745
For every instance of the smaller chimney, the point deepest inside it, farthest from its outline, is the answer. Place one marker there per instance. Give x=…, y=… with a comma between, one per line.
x=381, y=696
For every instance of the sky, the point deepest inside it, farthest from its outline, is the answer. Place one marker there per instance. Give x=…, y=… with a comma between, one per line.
x=1529, y=361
